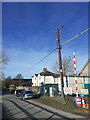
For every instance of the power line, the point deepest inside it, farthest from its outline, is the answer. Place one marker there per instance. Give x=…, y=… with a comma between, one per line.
x=76, y=47
x=76, y=36
x=39, y=61
x=53, y=51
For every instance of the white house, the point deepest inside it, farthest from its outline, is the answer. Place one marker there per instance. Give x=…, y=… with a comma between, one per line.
x=85, y=72
x=46, y=77
x=86, y=69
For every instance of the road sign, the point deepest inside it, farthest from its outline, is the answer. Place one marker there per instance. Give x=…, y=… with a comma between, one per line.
x=67, y=90
x=84, y=91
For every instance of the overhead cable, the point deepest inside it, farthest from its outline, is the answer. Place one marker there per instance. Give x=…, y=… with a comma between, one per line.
x=76, y=47
x=76, y=36
x=54, y=50
x=39, y=61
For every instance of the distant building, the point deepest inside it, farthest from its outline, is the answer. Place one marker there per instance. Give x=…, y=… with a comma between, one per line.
x=22, y=83
x=86, y=69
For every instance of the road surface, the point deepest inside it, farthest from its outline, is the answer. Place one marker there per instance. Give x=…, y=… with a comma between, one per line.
x=13, y=107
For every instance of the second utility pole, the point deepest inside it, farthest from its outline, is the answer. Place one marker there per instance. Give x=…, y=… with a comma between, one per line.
x=60, y=65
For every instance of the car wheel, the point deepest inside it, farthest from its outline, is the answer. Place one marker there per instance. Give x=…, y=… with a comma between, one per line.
x=20, y=96
x=23, y=98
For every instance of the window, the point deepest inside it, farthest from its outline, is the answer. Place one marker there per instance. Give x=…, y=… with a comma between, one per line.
x=39, y=77
x=28, y=92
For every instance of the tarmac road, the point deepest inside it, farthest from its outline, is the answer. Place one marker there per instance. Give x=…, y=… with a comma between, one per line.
x=13, y=107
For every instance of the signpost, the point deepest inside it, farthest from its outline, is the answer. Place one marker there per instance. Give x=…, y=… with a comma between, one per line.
x=81, y=95
x=67, y=81
x=75, y=73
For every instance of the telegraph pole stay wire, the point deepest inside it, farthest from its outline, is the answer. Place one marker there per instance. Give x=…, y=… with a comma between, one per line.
x=53, y=51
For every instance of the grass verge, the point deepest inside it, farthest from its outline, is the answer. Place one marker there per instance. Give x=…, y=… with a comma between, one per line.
x=69, y=105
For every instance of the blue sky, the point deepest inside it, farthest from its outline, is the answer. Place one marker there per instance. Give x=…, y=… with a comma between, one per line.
x=27, y=34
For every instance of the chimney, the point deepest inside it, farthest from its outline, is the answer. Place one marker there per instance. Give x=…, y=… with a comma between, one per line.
x=44, y=69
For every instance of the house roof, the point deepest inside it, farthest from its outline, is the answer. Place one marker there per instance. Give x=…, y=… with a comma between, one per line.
x=22, y=81
x=25, y=84
x=25, y=80
x=48, y=73
x=36, y=75
x=84, y=66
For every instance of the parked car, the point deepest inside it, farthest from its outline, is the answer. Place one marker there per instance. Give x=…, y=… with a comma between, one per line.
x=26, y=94
x=12, y=91
x=37, y=95
x=18, y=92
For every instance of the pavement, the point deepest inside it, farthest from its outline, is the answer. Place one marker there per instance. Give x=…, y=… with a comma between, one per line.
x=13, y=107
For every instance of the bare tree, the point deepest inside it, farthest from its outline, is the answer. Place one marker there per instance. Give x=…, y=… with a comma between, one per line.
x=19, y=76
x=3, y=58
x=67, y=66
x=6, y=82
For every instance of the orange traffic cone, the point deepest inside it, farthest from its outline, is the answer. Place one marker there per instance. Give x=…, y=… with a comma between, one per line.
x=83, y=103
x=87, y=106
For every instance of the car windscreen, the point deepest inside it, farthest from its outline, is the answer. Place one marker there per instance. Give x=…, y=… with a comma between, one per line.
x=19, y=90
x=28, y=92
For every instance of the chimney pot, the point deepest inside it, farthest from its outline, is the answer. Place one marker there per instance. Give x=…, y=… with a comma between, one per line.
x=44, y=69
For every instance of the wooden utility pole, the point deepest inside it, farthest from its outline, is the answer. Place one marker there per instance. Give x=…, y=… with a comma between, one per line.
x=60, y=64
